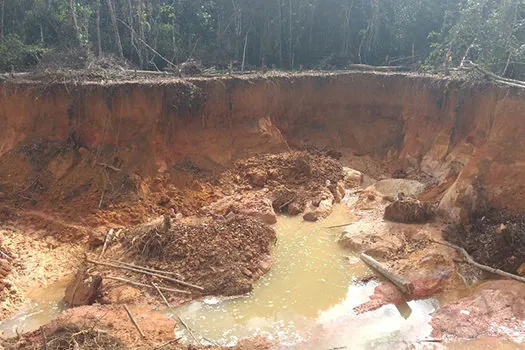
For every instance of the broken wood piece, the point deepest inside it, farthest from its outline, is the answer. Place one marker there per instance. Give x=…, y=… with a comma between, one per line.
x=161, y=294
x=133, y=321
x=486, y=268
x=430, y=341
x=5, y=255
x=145, y=268
x=404, y=285
x=285, y=204
x=108, y=238
x=338, y=226
x=109, y=167
x=189, y=330
x=145, y=273
x=166, y=344
x=44, y=338
x=138, y=284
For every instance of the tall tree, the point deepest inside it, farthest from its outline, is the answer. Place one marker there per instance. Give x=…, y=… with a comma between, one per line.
x=118, y=43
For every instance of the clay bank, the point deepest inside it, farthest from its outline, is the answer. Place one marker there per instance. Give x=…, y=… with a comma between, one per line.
x=315, y=210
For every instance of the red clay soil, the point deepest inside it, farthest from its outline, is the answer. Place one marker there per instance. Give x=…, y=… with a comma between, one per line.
x=496, y=309
x=95, y=327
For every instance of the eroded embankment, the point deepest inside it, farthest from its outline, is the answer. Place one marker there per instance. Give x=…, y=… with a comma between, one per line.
x=452, y=131
x=79, y=159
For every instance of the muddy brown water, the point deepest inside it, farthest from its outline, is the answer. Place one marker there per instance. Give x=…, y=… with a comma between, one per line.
x=306, y=300
x=43, y=305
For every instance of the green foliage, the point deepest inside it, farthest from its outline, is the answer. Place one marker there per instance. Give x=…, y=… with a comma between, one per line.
x=487, y=32
x=15, y=55
x=282, y=33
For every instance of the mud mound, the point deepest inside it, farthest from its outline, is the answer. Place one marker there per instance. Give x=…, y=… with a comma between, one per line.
x=494, y=238
x=409, y=211
x=224, y=257
x=293, y=178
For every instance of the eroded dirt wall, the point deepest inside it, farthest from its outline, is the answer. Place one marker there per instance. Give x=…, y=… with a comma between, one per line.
x=469, y=137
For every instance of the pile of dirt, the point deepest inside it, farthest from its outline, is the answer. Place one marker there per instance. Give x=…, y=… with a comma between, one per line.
x=409, y=210
x=223, y=256
x=66, y=336
x=293, y=178
x=494, y=238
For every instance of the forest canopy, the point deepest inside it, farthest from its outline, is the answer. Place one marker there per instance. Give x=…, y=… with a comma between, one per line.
x=285, y=34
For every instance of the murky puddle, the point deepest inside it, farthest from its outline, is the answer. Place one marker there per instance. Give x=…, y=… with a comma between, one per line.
x=44, y=304
x=307, y=299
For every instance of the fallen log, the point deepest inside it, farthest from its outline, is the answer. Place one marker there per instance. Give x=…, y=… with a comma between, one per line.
x=482, y=267
x=368, y=68
x=138, y=284
x=115, y=266
x=404, y=285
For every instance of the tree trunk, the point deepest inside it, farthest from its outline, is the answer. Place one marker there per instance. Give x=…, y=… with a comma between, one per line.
x=115, y=28
x=141, y=32
x=99, y=38
x=75, y=23
x=244, y=51
x=134, y=41
x=290, y=44
x=280, y=31
x=2, y=22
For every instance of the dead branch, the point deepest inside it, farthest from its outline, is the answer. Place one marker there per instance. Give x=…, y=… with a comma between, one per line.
x=400, y=282
x=31, y=185
x=5, y=255
x=161, y=294
x=430, y=341
x=133, y=321
x=145, y=43
x=145, y=273
x=338, y=226
x=44, y=338
x=109, y=167
x=146, y=268
x=109, y=237
x=494, y=77
x=486, y=268
x=166, y=343
x=106, y=180
x=138, y=284
x=285, y=204
x=189, y=330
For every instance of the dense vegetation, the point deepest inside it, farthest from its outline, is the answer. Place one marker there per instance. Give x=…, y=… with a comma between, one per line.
x=287, y=34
